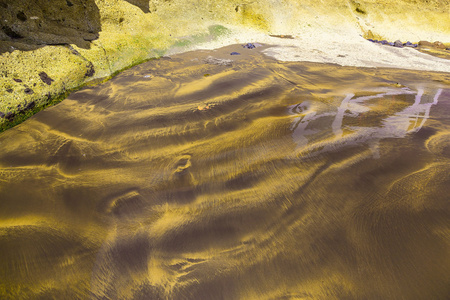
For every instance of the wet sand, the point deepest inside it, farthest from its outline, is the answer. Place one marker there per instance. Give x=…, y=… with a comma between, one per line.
x=196, y=177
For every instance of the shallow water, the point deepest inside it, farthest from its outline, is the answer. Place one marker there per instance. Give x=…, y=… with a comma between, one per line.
x=185, y=179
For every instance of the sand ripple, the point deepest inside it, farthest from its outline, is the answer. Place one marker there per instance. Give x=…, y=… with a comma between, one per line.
x=258, y=179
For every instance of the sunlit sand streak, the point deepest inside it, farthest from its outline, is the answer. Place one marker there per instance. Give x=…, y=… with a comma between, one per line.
x=408, y=179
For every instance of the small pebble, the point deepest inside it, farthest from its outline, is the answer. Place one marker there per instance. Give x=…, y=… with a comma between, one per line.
x=235, y=53
x=398, y=44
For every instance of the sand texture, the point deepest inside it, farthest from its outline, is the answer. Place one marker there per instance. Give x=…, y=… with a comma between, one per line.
x=210, y=176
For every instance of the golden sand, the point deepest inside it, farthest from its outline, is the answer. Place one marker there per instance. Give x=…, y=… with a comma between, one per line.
x=196, y=177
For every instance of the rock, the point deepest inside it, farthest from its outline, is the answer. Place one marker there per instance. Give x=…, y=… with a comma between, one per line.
x=235, y=53
x=398, y=44
x=439, y=45
x=409, y=44
x=425, y=43
x=384, y=42
x=10, y=90
x=63, y=22
x=17, y=80
x=28, y=91
x=249, y=46
x=45, y=78
x=2, y=115
x=447, y=48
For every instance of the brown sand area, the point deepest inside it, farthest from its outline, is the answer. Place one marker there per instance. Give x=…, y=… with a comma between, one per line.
x=210, y=176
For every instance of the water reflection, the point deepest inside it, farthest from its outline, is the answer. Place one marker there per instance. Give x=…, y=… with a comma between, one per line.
x=397, y=125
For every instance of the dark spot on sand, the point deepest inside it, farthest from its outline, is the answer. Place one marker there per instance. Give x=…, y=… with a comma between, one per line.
x=69, y=4
x=91, y=71
x=30, y=105
x=2, y=115
x=17, y=80
x=45, y=78
x=21, y=16
x=9, y=90
x=361, y=11
x=28, y=91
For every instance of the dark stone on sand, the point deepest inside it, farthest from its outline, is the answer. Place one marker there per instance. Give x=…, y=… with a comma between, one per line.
x=2, y=115
x=447, y=48
x=10, y=90
x=69, y=4
x=45, y=78
x=409, y=44
x=398, y=44
x=235, y=53
x=28, y=91
x=391, y=44
x=249, y=46
x=17, y=80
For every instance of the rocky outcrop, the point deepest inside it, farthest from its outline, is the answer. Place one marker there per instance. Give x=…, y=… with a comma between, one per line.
x=33, y=24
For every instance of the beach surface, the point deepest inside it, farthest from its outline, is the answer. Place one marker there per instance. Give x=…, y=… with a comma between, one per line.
x=206, y=175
